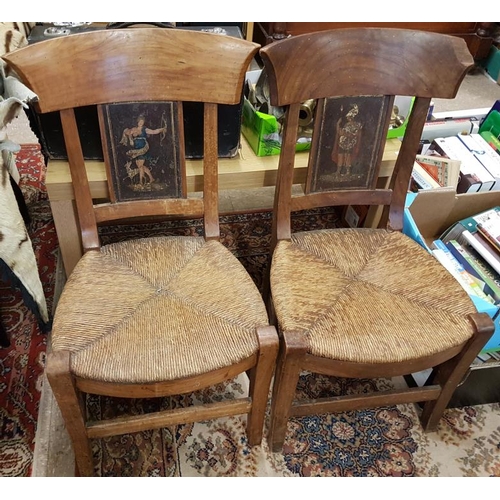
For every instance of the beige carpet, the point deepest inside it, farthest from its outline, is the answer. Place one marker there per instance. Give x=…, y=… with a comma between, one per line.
x=380, y=442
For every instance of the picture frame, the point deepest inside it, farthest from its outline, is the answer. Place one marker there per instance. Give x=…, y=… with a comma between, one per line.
x=338, y=160
x=143, y=150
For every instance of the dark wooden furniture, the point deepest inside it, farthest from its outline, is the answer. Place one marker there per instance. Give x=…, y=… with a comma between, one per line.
x=362, y=303
x=478, y=36
x=161, y=316
x=480, y=386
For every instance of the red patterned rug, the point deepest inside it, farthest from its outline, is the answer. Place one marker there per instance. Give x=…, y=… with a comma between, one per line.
x=21, y=364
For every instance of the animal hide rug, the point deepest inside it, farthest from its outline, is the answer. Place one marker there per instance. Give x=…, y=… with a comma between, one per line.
x=17, y=258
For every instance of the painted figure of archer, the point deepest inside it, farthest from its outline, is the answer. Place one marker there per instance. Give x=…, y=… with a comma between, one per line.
x=137, y=137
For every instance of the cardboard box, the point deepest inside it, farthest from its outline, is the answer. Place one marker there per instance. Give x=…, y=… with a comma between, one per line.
x=428, y=214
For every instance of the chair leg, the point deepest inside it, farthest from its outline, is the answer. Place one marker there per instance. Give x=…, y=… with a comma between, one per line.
x=267, y=296
x=288, y=368
x=71, y=406
x=260, y=382
x=451, y=373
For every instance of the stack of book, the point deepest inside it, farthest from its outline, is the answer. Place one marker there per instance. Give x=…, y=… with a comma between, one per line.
x=434, y=172
x=478, y=165
x=470, y=250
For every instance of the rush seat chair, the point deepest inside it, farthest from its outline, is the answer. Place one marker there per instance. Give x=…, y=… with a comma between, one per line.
x=156, y=316
x=362, y=302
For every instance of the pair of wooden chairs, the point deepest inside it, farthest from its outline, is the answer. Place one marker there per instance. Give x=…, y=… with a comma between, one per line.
x=170, y=315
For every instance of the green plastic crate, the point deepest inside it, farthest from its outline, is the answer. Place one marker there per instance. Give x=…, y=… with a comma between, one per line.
x=262, y=131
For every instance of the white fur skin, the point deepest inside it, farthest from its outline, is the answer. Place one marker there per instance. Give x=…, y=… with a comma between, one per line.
x=16, y=249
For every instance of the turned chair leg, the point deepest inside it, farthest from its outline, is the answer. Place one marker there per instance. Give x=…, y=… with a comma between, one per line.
x=71, y=406
x=288, y=370
x=451, y=373
x=260, y=382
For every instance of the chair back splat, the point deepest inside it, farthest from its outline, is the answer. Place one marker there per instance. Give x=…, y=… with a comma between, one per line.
x=153, y=316
x=354, y=76
x=158, y=65
x=364, y=302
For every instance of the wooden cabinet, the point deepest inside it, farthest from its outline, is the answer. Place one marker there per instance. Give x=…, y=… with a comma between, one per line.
x=478, y=36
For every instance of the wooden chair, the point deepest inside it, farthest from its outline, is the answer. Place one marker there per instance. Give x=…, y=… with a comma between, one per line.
x=362, y=303
x=158, y=316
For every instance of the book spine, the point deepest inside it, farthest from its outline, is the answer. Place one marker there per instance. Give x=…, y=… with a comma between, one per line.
x=480, y=263
x=471, y=168
x=485, y=280
x=425, y=182
x=493, y=241
x=490, y=229
x=469, y=223
x=482, y=247
x=487, y=156
x=460, y=274
x=468, y=183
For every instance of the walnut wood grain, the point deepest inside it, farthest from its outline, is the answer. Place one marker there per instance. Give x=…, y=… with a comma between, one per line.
x=83, y=198
x=293, y=348
x=157, y=420
x=407, y=72
x=478, y=36
x=210, y=179
x=68, y=72
x=350, y=403
x=377, y=370
x=451, y=373
x=157, y=65
x=261, y=373
x=351, y=62
x=72, y=408
x=167, y=388
x=284, y=182
x=338, y=198
x=404, y=164
x=148, y=208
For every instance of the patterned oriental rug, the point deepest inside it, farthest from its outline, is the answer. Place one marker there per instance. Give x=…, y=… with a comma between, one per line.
x=21, y=364
x=381, y=442
x=385, y=441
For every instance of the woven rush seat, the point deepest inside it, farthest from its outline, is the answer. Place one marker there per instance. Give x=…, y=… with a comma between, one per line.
x=136, y=307
x=367, y=296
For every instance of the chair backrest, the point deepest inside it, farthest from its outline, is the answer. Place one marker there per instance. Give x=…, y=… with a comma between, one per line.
x=355, y=74
x=138, y=78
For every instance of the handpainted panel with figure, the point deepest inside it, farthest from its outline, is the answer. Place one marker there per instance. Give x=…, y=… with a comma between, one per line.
x=142, y=150
x=347, y=142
